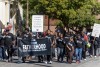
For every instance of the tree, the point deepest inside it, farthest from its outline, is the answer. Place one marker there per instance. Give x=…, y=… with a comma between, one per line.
x=72, y=13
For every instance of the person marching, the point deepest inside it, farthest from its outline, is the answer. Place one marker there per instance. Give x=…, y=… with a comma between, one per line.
x=8, y=44
x=78, y=49
x=70, y=49
x=1, y=47
x=95, y=43
x=85, y=42
x=27, y=40
x=39, y=36
x=60, y=48
x=49, y=36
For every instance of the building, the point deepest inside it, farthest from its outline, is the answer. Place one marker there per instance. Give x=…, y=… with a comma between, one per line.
x=98, y=16
x=4, y=12
x=9, y=11
x=98, y=0
x=50, y=23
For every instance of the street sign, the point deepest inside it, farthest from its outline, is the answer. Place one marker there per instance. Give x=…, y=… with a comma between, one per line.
x=37, y=23
x=96, y=30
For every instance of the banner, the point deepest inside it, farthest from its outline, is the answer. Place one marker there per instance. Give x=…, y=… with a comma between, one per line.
x=96, y=30
x=37, y=23
x=35, y=47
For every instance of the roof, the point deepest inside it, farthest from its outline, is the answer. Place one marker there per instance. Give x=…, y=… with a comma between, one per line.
x=1, y=25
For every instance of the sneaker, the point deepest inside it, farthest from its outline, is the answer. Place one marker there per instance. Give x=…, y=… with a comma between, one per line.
x=46, y=62
x=85, y=59
x=91, y=56
x=95, y=56
x=50, y=62
x=56, y=58
x=6, y=60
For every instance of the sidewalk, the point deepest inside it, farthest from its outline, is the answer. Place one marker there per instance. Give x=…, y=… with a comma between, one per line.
x=93, y=63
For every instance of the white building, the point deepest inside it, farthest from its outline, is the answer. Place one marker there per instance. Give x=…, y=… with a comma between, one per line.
x=8, y=12
x=4, y=12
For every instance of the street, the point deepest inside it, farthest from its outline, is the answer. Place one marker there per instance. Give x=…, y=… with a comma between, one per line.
x=90, y=62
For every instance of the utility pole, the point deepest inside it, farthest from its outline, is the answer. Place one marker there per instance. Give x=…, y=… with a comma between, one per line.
x=9, y=10
x=27, y=18
x=49, y=17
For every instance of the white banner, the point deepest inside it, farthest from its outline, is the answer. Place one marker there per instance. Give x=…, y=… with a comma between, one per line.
x=37, y=23
x=96, y=30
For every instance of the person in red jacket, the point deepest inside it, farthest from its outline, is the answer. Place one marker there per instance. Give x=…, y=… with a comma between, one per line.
x=85, y=41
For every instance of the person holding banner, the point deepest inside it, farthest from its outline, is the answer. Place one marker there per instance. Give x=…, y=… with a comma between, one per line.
x=40, y=57
x=49, y=36
x=27, y=40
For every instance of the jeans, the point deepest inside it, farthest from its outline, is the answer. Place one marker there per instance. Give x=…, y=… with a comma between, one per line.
x=4, y=52
x=78, y=54
x=55, y=52
x=91, y=49
x=60, y=53
x=1, y=57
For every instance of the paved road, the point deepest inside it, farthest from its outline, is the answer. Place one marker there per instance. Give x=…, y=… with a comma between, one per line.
x=90, y=62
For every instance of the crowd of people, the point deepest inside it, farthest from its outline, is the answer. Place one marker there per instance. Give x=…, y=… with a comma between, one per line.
x=73, y=44
x=64, y=44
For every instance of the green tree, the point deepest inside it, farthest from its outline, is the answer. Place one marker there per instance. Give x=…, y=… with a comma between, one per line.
x=72, y=13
